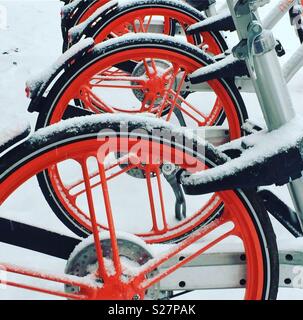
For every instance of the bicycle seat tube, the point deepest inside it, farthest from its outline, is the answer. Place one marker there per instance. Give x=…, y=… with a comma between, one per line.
x=257, y=47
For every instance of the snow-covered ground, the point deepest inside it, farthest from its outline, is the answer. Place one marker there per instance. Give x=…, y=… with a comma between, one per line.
x=31, y=41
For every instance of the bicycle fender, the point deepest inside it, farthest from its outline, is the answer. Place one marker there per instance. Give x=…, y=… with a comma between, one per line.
x=221, y=22
x=72, y=12
x=76, y=30
x=37, y=86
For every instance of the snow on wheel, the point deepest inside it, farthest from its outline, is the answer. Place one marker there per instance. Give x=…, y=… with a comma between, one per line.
x=101, y=87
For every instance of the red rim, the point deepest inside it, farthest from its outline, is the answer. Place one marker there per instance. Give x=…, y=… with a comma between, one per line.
x=101, y=69
x=69, y=94
x=234, y=212
x=92, y=9
x=208, y=42
x=128, y=24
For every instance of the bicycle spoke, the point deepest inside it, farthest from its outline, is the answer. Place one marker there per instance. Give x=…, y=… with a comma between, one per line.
x=110, y=220
x=148, y=23
x=101, y=264
x=147, y=68
x=160, y=189
x=190, y=107
x=102, y=105
x=141, y=23
x=171, y=82
x=117, y=77
x=198, y=235
x=151, y=199
x=154, y=215
x=96, y=174
x=71, y=197
x=175, y=99
x=151, y=105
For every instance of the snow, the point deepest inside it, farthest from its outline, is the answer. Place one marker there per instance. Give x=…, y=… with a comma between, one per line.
x=265, y=145
x=32, y=45
x=210, y=20
x=11, y=126
x=67, y=9
x=229, y=60
x=104, y=236
x=78, y=29
x=35, y=83
x=141, y=37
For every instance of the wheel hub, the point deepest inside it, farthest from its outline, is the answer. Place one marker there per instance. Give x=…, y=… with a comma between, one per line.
x=156, y=82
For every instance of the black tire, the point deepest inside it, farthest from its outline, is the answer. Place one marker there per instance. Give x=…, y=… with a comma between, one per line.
x=90, y=127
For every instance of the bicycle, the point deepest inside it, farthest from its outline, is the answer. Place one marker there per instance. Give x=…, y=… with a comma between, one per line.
x=253, y=265
x=96, y=29
x=115, y=83
x=122, y=255
x=138, y=90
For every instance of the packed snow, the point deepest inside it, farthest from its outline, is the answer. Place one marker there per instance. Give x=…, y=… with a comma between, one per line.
x=36, y=82
x=11, y=126
x=30, y=43
x=265, y=145
x=210, y=20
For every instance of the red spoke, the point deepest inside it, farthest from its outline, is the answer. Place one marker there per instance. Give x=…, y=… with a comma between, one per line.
x=166, y=94
x=94, y=175
x=118, y=78
x=108, y=73
x=197, y=235
x=148, y=23
x=151, y=199
x=148, y=173
x=43, y=290
x=152, y=104
x=126, y=169
x=161, y=199
x=154, y=66
x=168, y=71
x=94, y=99
x=190, y=106
x=142, y=28
x=101, y=268
x=119, y=86
x=147, y=68
x=173, y=105
x=148, y=283
x=194, y=220
x=194, y=238
x=110, y=220
x=65, y=279
x=79, y=182
x=134, y=26
x=143, y=104
x=86, y=99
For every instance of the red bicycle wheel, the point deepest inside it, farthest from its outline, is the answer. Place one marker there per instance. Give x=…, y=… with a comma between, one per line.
x=78, y=88
x=157, y=17
x=138, y=19
x=234, y=219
